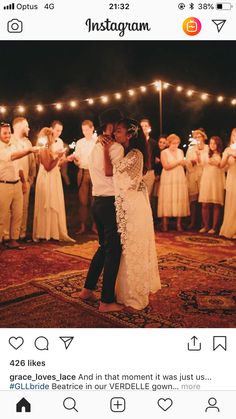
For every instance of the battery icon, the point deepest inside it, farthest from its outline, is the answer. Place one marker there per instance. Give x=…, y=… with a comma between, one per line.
x=224, y=6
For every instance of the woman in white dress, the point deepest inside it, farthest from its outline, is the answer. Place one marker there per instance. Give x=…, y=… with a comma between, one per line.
x=49, y=211
x=138, y=274
x=173, y=193
x=161, y=145
x=228, y=228
x=212, y=185
x=194, y=172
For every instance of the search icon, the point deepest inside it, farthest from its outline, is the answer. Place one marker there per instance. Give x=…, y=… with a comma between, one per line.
x=70, y=404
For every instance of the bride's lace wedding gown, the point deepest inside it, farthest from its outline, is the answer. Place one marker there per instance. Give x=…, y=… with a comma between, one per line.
x=138, y=274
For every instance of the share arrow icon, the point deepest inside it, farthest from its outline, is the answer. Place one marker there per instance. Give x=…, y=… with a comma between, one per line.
x=219, y=23
x=67, y=340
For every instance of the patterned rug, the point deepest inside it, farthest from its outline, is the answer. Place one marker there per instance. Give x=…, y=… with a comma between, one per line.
x=36, y=261
x=193, y=294
x=201, y=247
x=39, y=286
x=28, y=306
x=84, y=250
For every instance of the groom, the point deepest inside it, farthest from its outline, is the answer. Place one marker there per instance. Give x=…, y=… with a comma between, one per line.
x=107, y=257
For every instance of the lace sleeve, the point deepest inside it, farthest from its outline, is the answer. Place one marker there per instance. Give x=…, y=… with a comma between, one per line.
x=128, y=173
x=131, y=164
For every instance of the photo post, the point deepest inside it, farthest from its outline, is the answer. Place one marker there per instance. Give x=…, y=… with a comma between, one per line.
x=117, y=209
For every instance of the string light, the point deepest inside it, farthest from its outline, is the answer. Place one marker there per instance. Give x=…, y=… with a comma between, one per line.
x=189, y=92
x=158, y=85
x=58, y=106
x=3, y=109
x=39, y=108
x=204, y=96
x=73, y=104
x=21, y=109
x=104, y=99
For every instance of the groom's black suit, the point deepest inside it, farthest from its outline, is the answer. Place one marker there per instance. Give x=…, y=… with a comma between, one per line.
x=107, y=257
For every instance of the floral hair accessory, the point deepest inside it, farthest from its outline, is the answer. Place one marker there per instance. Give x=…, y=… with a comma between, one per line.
x=134, y=129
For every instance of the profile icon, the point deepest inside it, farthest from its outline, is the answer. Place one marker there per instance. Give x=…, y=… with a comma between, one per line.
x=212, y=405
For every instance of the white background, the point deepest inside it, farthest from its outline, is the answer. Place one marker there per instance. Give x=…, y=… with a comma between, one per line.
x=67, y=20
x=123, y=351
x=120, y=350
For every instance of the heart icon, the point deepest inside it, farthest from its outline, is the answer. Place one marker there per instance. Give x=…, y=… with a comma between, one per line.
x=165, y=404
x=16, y=343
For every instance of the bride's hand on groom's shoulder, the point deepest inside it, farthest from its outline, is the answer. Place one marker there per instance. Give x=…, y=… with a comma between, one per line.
x=105, y=140
x=99, y=139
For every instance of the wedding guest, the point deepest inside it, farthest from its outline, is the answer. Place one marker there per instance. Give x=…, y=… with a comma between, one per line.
x=20, y=139
x=83, y=149
x=212, y=184
x=57, y=128
x=173, y=193
x=149, y=177
x=11, y=193
x=228, y=228
x=161, y=145
x=49, y=210
x=194, y=171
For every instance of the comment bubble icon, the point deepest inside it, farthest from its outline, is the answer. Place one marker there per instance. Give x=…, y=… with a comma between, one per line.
x=41, y=343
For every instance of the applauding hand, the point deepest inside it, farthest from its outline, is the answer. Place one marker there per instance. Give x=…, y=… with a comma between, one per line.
x=232, y=153
x=105, y=140
x=71, y=157
x=182, y=163
x=35, y=149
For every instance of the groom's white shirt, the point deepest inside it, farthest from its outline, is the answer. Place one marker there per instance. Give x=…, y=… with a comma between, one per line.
x=102, y=184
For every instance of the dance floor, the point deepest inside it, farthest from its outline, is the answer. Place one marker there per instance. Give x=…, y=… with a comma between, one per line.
x=39, y=285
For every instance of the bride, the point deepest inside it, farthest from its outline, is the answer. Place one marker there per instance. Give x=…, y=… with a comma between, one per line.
x=138, y=274
x=49, y=211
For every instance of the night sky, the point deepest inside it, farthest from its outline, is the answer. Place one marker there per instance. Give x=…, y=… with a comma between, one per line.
x=46, y=72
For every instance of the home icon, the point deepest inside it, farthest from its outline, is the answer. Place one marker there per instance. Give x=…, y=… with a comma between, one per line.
x=23, y=406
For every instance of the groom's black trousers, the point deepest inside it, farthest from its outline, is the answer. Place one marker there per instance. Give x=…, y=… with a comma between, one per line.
x=107, y=257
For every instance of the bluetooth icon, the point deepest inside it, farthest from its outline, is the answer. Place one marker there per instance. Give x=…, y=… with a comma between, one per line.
x=191, y=6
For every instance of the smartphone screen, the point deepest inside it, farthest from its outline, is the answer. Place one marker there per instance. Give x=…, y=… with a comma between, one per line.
x=117, y=209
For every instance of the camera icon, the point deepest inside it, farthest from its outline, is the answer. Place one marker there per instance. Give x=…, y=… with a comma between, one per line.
x=15, y=26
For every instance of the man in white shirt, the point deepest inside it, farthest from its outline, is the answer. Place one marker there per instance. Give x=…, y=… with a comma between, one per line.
x=57, y=128
x=149, y=177
x=83, y=149
x=11, y=194
x=107, y=257
x=28, y=164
